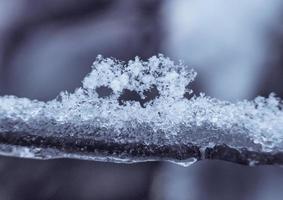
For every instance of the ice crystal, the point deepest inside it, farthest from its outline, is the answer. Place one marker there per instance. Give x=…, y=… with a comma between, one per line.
x=200, y=120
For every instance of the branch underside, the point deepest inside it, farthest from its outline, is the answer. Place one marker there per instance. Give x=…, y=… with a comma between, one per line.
x=91, y=148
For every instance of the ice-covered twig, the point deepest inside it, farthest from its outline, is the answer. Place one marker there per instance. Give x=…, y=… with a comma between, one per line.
x=136, y=111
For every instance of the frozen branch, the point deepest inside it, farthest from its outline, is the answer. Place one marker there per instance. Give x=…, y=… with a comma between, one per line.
x=51, y=146
x=137, y=112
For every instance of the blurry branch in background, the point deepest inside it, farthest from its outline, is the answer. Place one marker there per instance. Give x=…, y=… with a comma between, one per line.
x=39, y=45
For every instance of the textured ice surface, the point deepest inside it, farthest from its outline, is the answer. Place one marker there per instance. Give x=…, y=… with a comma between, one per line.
x=169, y=119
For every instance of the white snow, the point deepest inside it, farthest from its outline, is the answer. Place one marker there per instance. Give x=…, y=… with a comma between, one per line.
x=259, y=120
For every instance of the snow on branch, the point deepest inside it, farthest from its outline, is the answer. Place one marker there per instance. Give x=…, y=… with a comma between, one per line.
x=136, y=111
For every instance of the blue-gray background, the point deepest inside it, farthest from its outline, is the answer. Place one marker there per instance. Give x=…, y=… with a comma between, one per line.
x=47, y=46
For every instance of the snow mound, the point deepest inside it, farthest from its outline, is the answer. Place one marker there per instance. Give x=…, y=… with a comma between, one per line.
x=257, y=124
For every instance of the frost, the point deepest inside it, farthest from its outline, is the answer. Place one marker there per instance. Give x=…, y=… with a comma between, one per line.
x=139, y=76
x=167, y=119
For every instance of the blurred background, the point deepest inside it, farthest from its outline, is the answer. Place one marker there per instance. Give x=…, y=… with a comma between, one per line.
x=47, y=46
